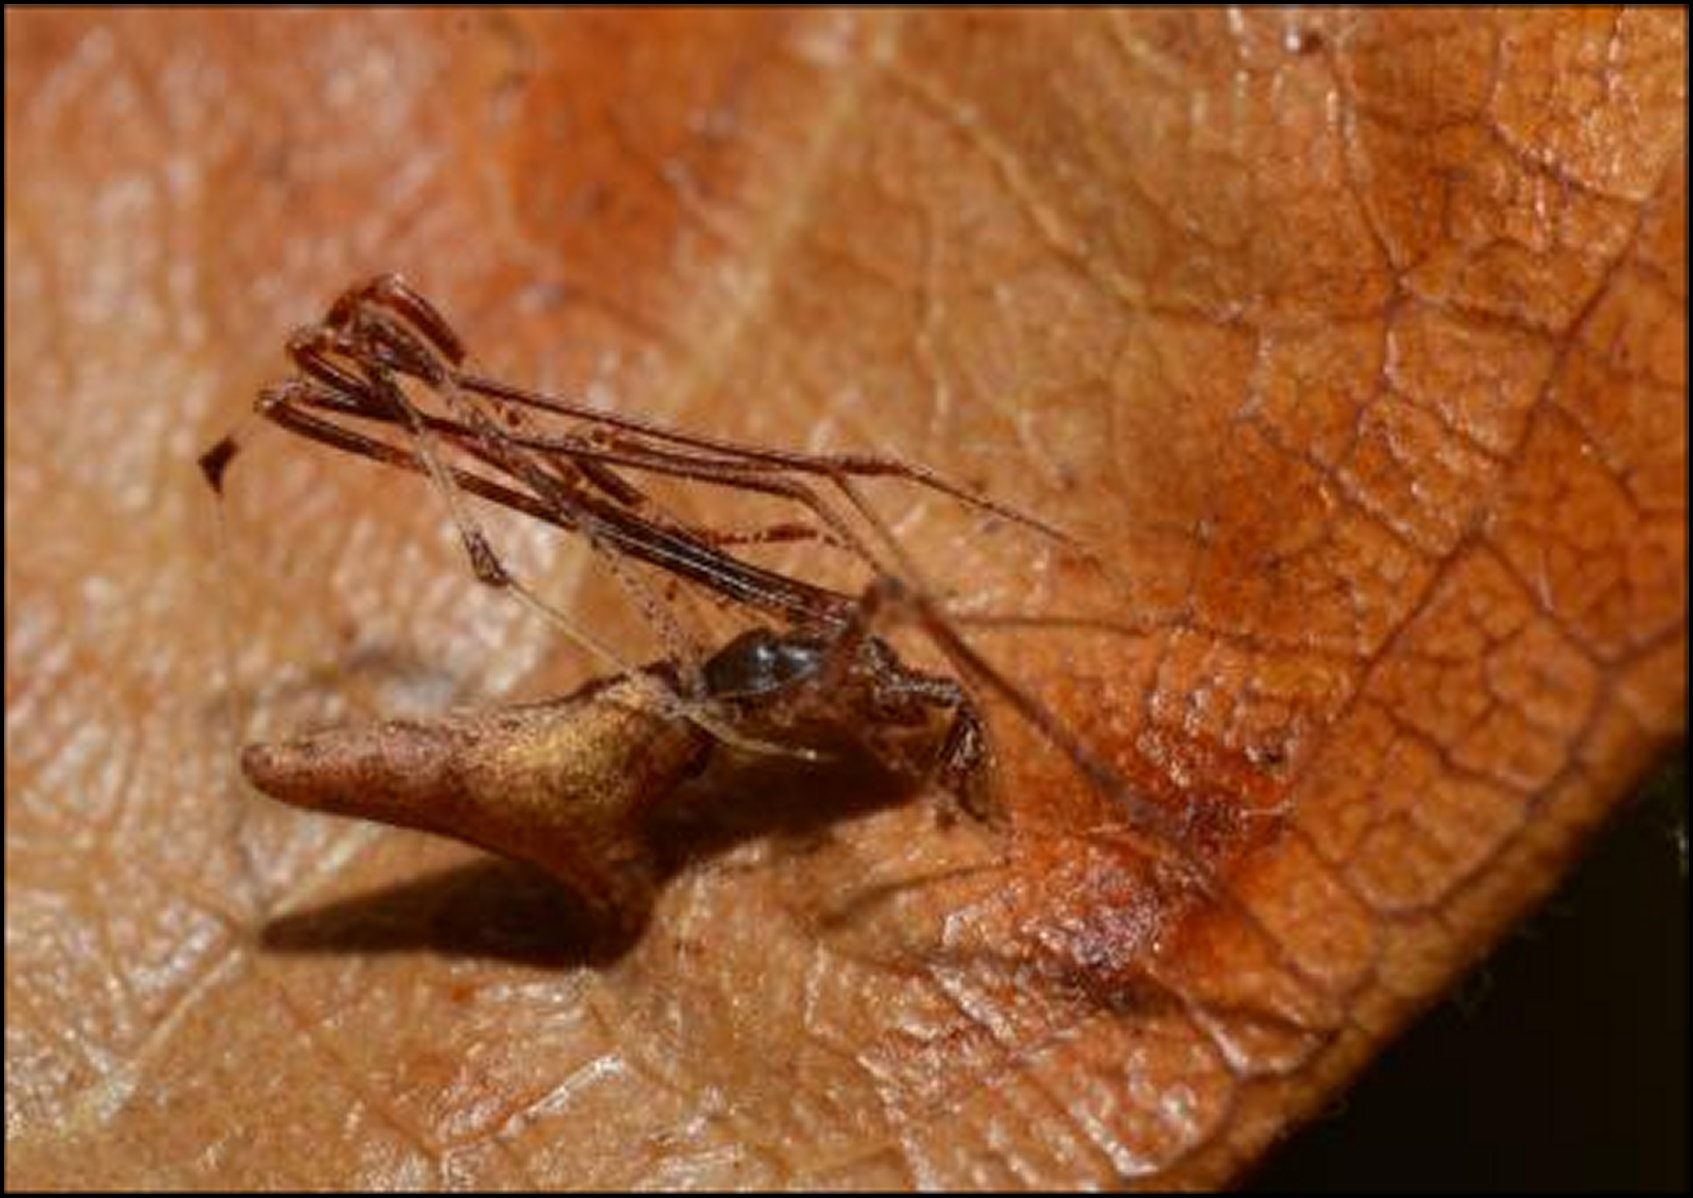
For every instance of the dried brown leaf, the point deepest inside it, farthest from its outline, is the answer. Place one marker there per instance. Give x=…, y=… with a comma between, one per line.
x=1356, y=341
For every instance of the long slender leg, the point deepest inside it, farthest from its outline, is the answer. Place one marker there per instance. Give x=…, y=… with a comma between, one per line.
x=589, y=458
x=828, y=465
x=363, y=313
x=362, y=308
x=557, y=478
x=380, y=345
x=292, y=405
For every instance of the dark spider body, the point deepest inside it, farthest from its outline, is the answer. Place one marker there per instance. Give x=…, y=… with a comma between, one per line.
x=833, y=694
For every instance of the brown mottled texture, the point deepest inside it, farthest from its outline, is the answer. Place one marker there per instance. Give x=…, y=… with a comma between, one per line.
x=1355, y=342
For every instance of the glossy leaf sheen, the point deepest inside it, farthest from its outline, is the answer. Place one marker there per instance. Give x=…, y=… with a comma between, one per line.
x=1356, y=343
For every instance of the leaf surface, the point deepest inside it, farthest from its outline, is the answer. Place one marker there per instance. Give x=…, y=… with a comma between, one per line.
x=1354, y=344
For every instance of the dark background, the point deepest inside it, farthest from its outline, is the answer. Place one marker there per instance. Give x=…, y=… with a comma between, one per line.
x=1560, y=1063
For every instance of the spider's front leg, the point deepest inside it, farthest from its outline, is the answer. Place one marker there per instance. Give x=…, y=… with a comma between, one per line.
x=898, y=697
x=963, y=765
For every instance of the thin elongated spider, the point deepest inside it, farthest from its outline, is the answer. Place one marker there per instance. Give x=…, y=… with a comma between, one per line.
x=381, y=342
x=362, y=375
